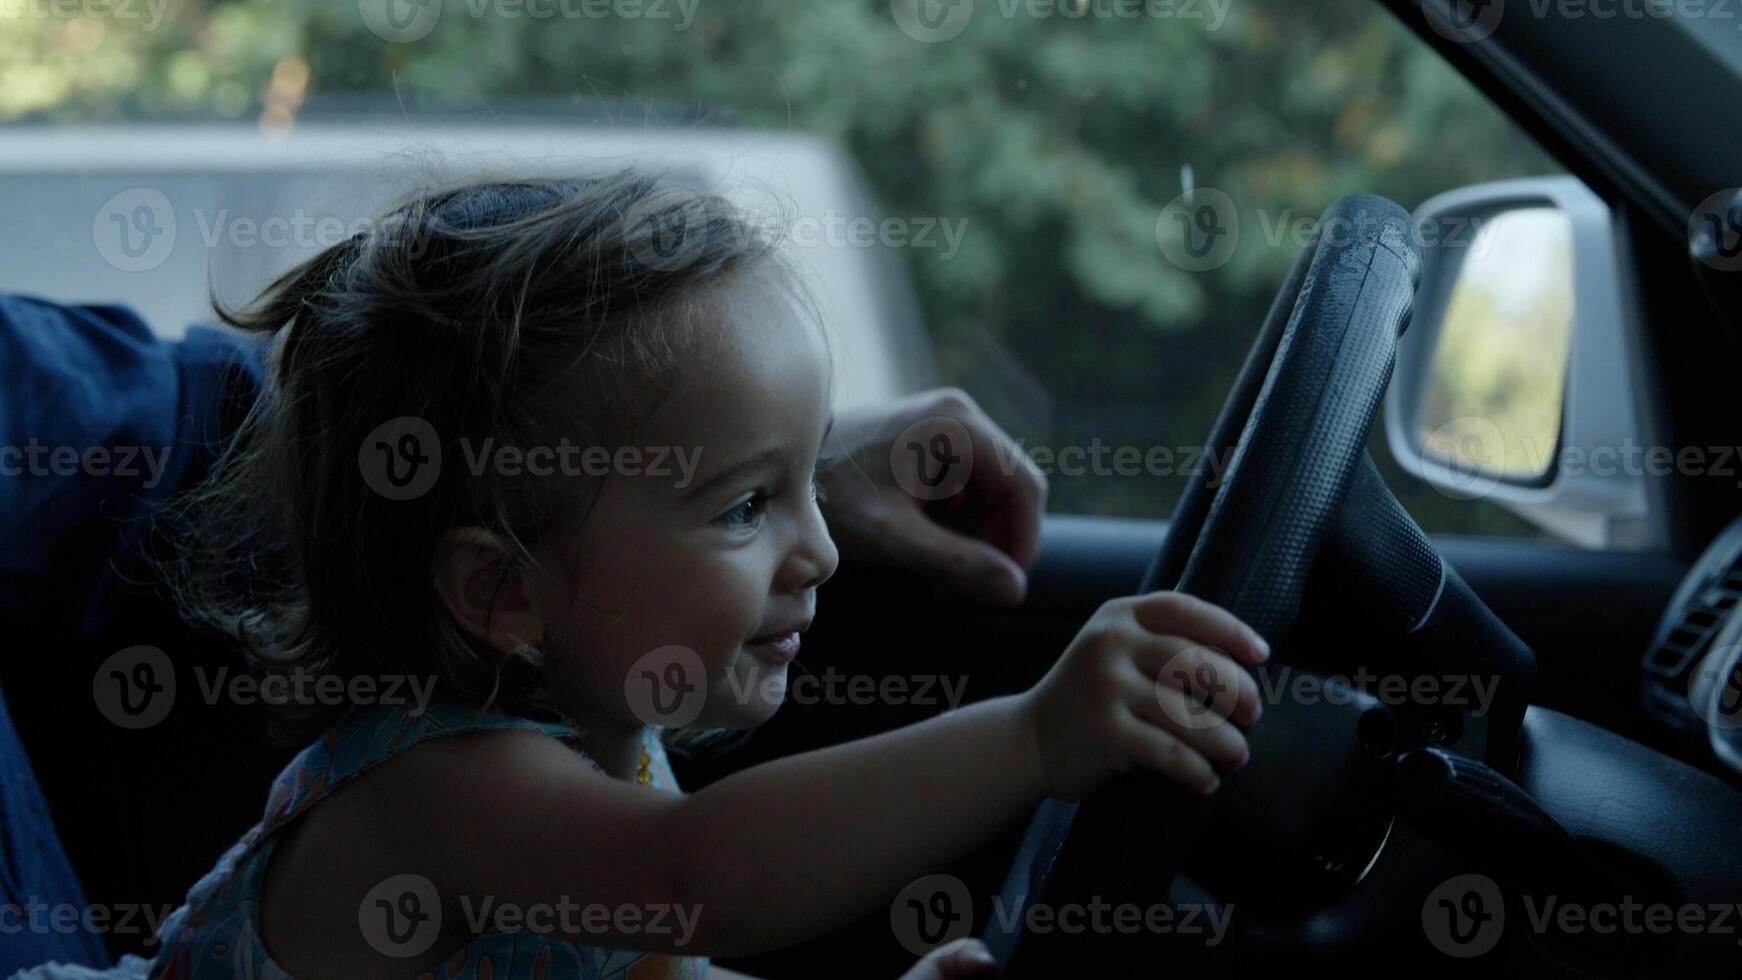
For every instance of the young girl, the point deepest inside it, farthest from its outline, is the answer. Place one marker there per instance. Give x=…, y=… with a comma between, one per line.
x=387, y=513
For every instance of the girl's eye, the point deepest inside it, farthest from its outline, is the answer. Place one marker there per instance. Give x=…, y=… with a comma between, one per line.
x=742, y=515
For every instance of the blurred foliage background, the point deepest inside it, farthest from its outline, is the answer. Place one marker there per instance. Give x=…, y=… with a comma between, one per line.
x=1494, y=391
x=1060, y=138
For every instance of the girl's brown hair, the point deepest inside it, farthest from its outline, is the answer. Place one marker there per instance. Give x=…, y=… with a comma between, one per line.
x=524, y=312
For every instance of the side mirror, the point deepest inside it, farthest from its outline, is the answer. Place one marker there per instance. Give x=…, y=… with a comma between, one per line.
x=1512, y=382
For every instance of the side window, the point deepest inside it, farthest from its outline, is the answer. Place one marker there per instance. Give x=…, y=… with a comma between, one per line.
x=1033, y=154
x=1097, y=312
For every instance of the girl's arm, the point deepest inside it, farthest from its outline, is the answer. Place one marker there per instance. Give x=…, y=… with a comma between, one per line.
x=793, y=848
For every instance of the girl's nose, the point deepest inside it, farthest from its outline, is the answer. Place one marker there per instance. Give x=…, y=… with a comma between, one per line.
x=813, y=559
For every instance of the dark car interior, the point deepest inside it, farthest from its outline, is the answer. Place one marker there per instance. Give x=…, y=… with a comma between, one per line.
x=1597, y=777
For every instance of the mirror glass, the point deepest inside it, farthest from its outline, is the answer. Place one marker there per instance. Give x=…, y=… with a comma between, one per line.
x=1492, y=403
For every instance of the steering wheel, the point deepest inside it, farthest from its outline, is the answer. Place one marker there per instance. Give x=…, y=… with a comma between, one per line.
x=1301, y=531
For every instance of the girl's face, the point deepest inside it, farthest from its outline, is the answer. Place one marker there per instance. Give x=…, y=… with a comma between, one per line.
x=709, y=563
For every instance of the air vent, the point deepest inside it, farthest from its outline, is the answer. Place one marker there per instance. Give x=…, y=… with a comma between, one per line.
x=1689, y=639
x=1690, y=627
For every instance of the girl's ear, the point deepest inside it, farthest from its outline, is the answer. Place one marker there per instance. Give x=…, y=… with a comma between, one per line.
x=484, y=591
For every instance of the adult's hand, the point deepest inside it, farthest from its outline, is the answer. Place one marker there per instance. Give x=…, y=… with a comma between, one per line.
x=931, y=484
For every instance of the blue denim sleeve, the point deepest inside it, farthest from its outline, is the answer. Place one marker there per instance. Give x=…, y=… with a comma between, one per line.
x=100, y=420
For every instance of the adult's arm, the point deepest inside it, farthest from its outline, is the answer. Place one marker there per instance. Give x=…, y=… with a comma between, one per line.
x=100, y=420
x=85, y=391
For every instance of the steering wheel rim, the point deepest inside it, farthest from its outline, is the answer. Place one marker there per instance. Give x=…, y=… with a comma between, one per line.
x=1297, y=420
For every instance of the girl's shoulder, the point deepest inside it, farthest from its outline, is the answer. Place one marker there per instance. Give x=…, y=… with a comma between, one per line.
x=369, y=735
x=416, y=805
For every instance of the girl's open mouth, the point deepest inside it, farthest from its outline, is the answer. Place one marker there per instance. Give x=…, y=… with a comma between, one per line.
x=780, y=647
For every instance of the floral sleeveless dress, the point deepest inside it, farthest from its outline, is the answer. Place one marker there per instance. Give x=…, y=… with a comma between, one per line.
x=217, y=933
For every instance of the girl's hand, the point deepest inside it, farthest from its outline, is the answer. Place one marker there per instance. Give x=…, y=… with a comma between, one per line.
x=962, y=958
x=1152, y=682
